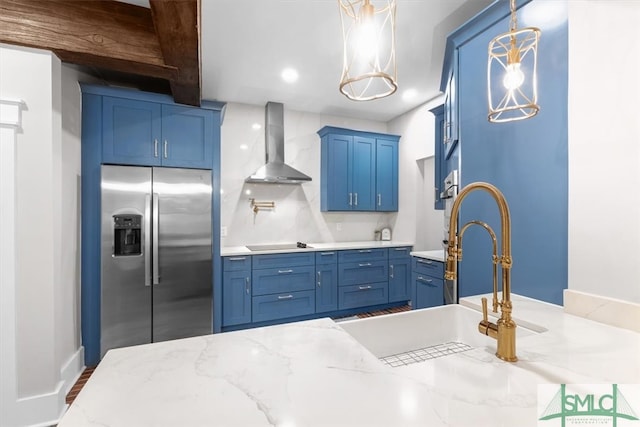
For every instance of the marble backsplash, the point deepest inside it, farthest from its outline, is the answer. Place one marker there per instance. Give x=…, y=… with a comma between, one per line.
x=297, y=215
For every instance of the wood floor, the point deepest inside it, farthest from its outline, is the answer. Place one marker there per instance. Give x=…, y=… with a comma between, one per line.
x=88, y=371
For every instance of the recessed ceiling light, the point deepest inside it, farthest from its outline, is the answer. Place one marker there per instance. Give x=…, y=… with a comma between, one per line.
x=409, y=94
x=244, y=147
x=289, y=75
x=256, y=126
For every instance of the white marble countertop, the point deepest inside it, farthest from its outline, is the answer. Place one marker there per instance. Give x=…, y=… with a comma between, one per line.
x=313, y=373
x=314, y=247
x=436, y=255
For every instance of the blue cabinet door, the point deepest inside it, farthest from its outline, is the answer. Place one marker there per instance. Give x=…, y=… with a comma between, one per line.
x=363, y=295
x=429, y=291
x=337, y=151
x=363, y=173
x=187, y=135
x=280, y=306
x=284, y=279
x=326, y=287
x=400, y=279
x=236, y=297
x=131, y=132
x=386, y=175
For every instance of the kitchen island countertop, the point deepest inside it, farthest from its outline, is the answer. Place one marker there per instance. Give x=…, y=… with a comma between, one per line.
x=313, y=373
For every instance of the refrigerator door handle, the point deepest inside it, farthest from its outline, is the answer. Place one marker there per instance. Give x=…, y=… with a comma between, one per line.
x=156, y=263
x=147, y=240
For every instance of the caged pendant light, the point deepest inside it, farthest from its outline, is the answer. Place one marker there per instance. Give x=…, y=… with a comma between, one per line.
x=512, y=73
x=369, y=59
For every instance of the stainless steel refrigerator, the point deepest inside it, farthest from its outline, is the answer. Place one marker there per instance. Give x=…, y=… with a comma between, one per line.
x=156, y=269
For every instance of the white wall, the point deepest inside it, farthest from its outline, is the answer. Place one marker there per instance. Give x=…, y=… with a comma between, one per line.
x=604, y=148
x=297, y=216
x=47, y=350
x=417, y=221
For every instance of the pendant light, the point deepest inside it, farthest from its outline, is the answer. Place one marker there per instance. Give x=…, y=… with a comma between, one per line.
x=369, y=59
x=512, y=87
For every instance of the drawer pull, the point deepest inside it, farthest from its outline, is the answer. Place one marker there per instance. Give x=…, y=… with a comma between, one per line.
x=422, y=279
x=284, y=271
x=365, y=264
x=425, y=261
x=400, y=249
x=364, y=288
x=319, y=278
x=285, y=296
x=240, y=258
x=246, y=285
x=391, y=268
x=327, y=253
x=365, y=251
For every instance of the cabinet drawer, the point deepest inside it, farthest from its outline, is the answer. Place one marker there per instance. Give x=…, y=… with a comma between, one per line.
x=236, y=263
x=403, y=252
x=279, y=306
x=363, y=295
x=429, y=292
x=355, y=273
x=327, y=257
x=363, y=255
x=289, y=279
x=428, y=267
x=283, y=260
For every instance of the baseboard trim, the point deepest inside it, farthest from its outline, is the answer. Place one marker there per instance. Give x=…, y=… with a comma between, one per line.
x=611, y=311
x=47, y=409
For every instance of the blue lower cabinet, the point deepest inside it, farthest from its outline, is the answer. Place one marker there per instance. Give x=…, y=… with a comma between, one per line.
x=362, y=295
x=280, y=306
x=354, y=273
x=236, y=298
x=429, y=291
x=399, y=279
x=326, y=287
x=283, y=279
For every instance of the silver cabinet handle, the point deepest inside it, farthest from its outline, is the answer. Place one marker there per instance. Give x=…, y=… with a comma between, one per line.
x=365, y=264
x=356, y=199
x=285, y=296
x=155, y=147
x=247, y=281
x=327, y=253
x=240, y=258
x=284, y=271
x=379, y=199
x=425, y=261
x=364, y=288
x=166, y=149
x=427, y=281
x=391, y=270
x=365, y=251
x=400, y=249
x=156, y=226
x=319, y=278
x=350, y=199
x=147, y=240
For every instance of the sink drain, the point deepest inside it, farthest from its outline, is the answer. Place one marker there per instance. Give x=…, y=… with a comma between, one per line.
x=427, y=353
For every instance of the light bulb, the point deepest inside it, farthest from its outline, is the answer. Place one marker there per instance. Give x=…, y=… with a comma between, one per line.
x=366, y=40
x=514, y=77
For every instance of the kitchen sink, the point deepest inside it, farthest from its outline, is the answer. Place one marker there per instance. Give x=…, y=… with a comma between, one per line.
x=449, y=325
x=277, y=247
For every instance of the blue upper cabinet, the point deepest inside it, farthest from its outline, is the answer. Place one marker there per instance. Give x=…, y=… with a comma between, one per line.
x=450, y=129
x=131, y=132
x=145, y=129
x=185, y=135
x=359, y=170
x=386, y=175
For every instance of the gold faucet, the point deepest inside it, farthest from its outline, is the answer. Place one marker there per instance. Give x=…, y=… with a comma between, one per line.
x=505, y=329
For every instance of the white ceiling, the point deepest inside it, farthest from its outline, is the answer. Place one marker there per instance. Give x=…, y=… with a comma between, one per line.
x=245, y=44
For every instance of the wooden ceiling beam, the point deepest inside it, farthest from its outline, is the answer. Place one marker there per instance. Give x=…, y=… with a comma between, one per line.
x=177, y=24
x=161, y=42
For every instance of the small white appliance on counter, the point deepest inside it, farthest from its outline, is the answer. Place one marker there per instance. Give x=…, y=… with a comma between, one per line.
x=385, y=234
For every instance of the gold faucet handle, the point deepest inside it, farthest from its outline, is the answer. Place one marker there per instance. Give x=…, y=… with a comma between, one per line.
x=485, y=316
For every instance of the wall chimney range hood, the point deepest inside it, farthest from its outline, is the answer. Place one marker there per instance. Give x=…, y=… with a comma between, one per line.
x=275, y=171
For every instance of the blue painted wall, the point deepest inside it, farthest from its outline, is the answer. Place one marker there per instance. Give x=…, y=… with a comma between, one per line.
x=527, y=161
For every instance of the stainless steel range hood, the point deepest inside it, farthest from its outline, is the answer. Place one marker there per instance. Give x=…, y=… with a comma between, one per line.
x=275, y=171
